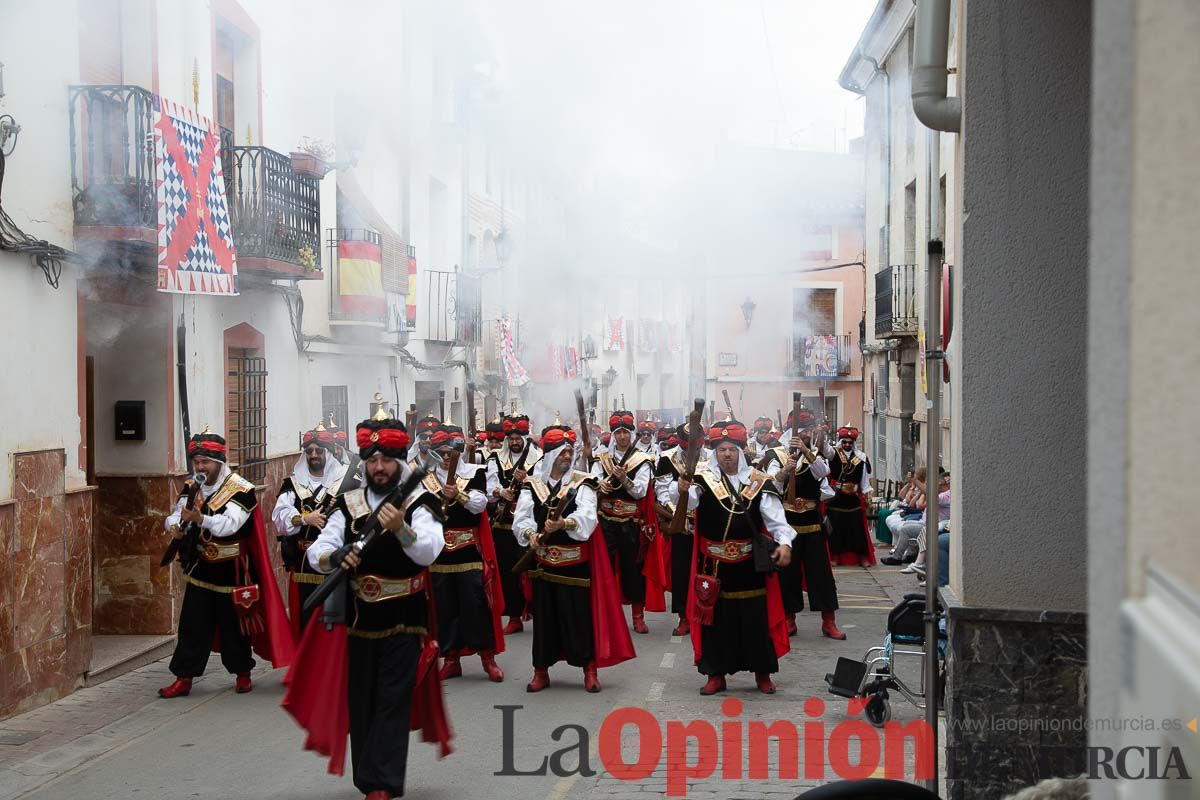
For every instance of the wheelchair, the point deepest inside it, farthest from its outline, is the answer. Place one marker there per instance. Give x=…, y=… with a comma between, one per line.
x=875, y=675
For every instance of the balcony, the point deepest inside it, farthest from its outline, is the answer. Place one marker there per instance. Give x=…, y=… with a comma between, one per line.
x=820, y=357
x=896, y=301
x=112, y=164
x=454, y=308
x=275, y=212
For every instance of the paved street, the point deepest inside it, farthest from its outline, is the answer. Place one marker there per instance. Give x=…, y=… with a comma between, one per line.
x=118, y=740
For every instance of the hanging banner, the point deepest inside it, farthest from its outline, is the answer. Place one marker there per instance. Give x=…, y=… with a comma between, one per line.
x=820, y=356
x=195, y=233
x=647, y=336
x=410, y=310
x=514, y=373
x=360, y=278
x=614, y=334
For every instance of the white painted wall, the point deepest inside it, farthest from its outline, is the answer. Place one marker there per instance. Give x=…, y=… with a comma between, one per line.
x=39, y=394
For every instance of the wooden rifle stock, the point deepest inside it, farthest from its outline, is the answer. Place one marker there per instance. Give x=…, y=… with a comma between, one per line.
x=471, y=430
x=451, y=472
x=728, y=405
x=790, y=494
x=184, y=547
x=695, y=437
x=530, y=555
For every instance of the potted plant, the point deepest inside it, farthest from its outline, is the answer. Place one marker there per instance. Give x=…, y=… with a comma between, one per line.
x=312, y=158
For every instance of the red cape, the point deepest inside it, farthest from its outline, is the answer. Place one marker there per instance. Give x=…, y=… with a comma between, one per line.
x=610, y=632
x=276, y=642
x=852, y=559
x=316, y=695
x=656, y=568
x=776, y=618
x=492, y=588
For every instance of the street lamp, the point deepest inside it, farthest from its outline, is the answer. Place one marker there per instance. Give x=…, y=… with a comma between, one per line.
x=610, y=376
x=748, y=311
x=504, y=246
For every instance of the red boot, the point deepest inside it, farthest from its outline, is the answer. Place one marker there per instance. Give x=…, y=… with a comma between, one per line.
x=716, y=683
x=829, y=627
x=180, y=688
x=763, y=681
x=450, y=669
x=791, y=623
x=541, y=679
x=242, y=684
x=494, y=673
x=590, y=681
x=639, y=619
x=514, y=626
x=683, y=628
x=379, y=794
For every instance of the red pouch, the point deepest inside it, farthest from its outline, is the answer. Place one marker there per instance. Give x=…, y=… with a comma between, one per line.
x=246, y=602
x=705, y=589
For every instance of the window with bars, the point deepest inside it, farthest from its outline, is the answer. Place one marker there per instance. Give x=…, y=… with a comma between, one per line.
x=246, y=412
x=335, y=404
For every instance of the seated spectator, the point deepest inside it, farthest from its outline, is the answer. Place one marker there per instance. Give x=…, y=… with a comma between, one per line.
x=907, y=520
x=918, y=533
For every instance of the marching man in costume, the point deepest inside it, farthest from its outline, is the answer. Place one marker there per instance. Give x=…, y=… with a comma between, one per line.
x=849, y=476
x=736, y=612
x=299, y=515
x=466, y=580
x=377, y=675
x=425, y=428
x=231, y=593
x=799, y=472
x=339, y=442
x=646, y=433
x=624, y=472
x=507, y=469
x=671, y=465
x=577, y=614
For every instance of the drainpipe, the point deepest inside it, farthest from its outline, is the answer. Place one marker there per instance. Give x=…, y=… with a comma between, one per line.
x=931, y=105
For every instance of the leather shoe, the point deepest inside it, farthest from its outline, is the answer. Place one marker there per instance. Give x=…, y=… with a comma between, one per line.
x=829, y=626
x=639, y=624
x=891, y=561
x=763, y=681
x=514, y=626
x=716, y=683
x=541, y=679
x=180, y=688
x=494, y=673
x=243, y=684
x=683, y=628
x=450, y=669
x=590, y=681
x=791, y=625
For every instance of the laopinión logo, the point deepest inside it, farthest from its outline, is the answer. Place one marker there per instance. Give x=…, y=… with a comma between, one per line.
x=739, y=749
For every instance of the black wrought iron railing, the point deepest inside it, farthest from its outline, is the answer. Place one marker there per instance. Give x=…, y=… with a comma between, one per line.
x=112, y=156
x=441, y=304
x=468, y=310
x=276, y=212
x=821, y=357
x=896, y=301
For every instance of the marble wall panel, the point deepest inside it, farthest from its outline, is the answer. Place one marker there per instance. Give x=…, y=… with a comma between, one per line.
x=38, y=474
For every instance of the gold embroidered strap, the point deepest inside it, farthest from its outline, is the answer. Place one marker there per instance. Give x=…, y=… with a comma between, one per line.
x=233, y=484
x=565, y=580
x=539, y=488
x=212, y=587
x=758, y=479
x=458, y=538
x=431, y=482
x=302, y=492
x=635, y=461
x=560, y=555
x=847, y=487
x=807, y=528
x=714, y=483
x=746, y=595
x=212, y=551
x=730, y=550
x=677, y=459
x=356, y=503
x=468, y=566
x=800, y=505
x=614, y=507
x=306, y=577
x=395, y=630
x=377, y=588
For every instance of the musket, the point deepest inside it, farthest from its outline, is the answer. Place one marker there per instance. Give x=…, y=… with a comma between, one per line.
x=371, y=529
x=779, y=419
x=410, y=420
x=471, y=431
x=790, y=494
x=184, y=547
x=728, y=405
x=695, y=436
x=585, y=431
x=451, y=471
x=530, y=555
x=502, y=504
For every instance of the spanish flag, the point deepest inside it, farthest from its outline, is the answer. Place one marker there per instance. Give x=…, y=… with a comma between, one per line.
x=360, y=278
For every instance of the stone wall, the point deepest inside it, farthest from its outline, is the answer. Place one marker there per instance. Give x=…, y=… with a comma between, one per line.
x=133, y=593
x=1016, y=699
x=45, y=584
